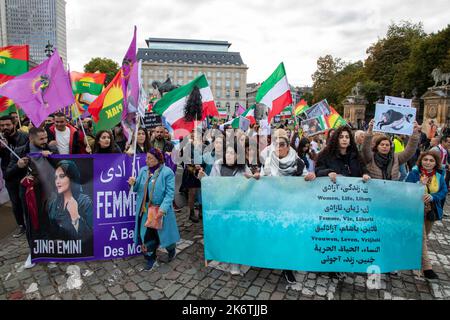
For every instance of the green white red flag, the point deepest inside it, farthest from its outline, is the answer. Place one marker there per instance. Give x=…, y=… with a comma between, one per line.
x=275, y=92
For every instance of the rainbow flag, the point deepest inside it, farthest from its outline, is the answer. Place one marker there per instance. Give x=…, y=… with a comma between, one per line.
x=334, y=119
x=301, y=107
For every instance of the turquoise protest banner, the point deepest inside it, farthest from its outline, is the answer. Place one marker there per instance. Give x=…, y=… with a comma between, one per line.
x=288, y=223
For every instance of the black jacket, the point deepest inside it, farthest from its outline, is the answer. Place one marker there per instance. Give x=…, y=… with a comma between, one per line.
x=13, y=172
x=20, y=139
x=350, y=165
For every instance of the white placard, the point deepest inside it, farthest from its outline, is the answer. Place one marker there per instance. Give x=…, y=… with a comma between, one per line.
x=399, y=102
x=393, y=119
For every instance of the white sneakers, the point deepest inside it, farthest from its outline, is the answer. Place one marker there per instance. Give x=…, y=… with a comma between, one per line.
x=28, y=264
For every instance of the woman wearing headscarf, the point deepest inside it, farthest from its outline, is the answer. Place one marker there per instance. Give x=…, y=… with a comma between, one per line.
x=429, y=173
x=155, y=186
x=381, y=160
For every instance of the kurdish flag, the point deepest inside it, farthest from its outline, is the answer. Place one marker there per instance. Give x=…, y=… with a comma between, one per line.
x=172, y=105
x=41, y=91
x=91, y=83
x=107, y=109
x=13, y=62
x=275, y=92
x=301, y=107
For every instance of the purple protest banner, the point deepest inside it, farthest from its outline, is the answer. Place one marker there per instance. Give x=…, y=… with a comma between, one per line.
x=83, y=208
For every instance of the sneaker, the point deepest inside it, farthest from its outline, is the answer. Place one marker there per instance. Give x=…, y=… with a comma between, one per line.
x=151, y=264
x=172, y=254
x=430, y=275
x=235, y=269
x=28, y=264
x=20, y=232
x=289, y=276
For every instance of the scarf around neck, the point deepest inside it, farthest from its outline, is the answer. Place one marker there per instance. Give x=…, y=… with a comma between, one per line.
x=385, y=163
x=276, y=167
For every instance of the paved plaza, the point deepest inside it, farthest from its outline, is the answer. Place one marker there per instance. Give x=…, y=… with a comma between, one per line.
x=187, y=277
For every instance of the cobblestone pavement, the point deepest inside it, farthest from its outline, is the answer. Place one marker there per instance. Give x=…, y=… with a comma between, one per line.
x=187, y=277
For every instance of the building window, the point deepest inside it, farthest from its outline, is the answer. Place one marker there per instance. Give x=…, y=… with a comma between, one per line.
x=190, y=73
x=218, y=83
x=218, y=93
x=237, y=94
x=237, y=75
x=228, y=94
x=228, y=83
x=219, y=74
x=237, y=84
x=209, y=74
x=180, y=73
x=228, y=75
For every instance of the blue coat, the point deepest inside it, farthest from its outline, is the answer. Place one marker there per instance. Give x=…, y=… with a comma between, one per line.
x=163, y=196
x=414, y=177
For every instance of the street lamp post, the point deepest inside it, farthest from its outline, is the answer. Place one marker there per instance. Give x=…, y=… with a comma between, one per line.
x=49, y=49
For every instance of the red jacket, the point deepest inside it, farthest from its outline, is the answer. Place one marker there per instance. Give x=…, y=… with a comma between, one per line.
x=76, y=144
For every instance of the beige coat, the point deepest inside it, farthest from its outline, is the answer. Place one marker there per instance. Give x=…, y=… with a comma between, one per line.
x=399, y=158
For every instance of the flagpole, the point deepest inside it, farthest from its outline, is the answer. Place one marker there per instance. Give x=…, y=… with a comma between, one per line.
x=84, y=132
x=10, y=150
x=18, y=116
x=134, y=174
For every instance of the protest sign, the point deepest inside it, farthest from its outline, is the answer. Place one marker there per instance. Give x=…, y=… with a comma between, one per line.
x=399, y=102
x=393, y=119
x=319, y=109
x=152, y=120
x=314, y=126
x=316, y=226
x=98, y=223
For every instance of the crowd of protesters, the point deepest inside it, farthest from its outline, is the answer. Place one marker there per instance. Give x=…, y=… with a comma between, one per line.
x=420, y=158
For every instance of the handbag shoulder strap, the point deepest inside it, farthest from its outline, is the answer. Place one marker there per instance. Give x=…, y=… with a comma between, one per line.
x=154, y=185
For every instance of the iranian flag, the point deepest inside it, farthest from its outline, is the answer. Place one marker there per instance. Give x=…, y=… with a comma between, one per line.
x=107, y=109
x=275, y=92
x=13, y=62
x=172, y=106
x=249, y=114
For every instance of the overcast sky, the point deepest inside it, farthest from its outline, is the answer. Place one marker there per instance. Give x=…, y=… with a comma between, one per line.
x=265, y=32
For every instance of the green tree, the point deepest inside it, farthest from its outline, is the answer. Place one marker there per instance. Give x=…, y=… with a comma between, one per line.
x=103, y=65
x=430, y=53
x=387, y=56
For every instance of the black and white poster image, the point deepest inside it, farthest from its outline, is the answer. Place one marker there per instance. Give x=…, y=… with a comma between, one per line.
x=399, y=102
x=393, y=119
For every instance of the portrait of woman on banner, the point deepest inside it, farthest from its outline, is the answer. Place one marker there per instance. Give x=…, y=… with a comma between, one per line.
x=70, y=211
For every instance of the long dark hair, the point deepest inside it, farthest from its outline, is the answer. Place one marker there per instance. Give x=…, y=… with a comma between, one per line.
x=147, y=139
x=194, y=106
x=332, y=148
x=98, y=149
x=70, y=169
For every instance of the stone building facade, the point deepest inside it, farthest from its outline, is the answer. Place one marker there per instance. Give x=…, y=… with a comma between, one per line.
x=183, y=60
